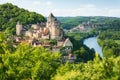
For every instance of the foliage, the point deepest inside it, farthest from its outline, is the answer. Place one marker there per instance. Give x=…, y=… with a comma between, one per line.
x=70, y=22
x=106, y=69
x=84, y=54
x=29, y=63
x=6, y=43
x=36, y=63
x=77, y=38
x=107, y=39
x=53, y=42
x=10, y=15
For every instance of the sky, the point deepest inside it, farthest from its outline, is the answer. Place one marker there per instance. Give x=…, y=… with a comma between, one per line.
x=70, y=7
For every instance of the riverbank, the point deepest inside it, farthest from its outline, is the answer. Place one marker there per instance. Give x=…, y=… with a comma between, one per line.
x=109, y=40
x=82, y=52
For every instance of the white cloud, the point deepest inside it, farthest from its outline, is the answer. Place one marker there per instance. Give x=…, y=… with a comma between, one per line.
x=87, y=10
x=41, y=7
x=42, y=4
x=45, y=8
x=88, y=6
x=84, y=10
x=48, y=3
x=37, y=3
x=7, y=1
x=114, y=12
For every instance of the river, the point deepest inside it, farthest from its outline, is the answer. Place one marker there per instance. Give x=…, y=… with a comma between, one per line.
x=92, y=43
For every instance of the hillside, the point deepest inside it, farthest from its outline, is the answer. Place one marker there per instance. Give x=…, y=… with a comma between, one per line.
x=71, y=22
x=11, y=14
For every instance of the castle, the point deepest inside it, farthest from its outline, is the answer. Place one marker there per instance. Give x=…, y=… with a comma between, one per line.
x=52, y=30
x=83, y=27
x=49, y=35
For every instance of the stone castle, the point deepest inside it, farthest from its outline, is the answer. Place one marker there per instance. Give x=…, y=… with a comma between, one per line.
x=83, y=27
x=51, y=30
x=42, y=34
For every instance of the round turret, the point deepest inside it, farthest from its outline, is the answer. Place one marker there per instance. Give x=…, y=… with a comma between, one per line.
x=18, y=28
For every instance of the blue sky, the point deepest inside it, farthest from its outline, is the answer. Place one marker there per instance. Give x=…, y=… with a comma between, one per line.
x=70, y=7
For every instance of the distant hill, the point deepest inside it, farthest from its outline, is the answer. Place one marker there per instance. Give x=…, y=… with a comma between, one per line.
x=11, y=14
x=71, y=22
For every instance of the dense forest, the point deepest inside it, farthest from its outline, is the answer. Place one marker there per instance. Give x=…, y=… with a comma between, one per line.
x=36, y=63
x=110, y=42
x=10, y=15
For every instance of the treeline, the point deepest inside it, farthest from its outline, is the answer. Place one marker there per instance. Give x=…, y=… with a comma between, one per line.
x=109, y=38
x=11, y=14
x=110, y=42
x=114, y=24
x=105, y=69
x=70, y=22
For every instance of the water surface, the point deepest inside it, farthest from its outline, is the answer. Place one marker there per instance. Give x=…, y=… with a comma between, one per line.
x=92, y=43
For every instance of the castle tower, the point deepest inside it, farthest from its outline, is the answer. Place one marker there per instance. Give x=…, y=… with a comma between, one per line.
x=18, y=28
x=54, y=27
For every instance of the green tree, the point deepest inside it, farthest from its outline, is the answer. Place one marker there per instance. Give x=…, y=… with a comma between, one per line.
x=11, y=14
x=30, y=63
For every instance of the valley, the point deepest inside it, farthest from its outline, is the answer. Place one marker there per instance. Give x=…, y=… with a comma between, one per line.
x=33, y=47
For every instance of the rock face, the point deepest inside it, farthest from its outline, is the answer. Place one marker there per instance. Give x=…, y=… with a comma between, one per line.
x=52, y=30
